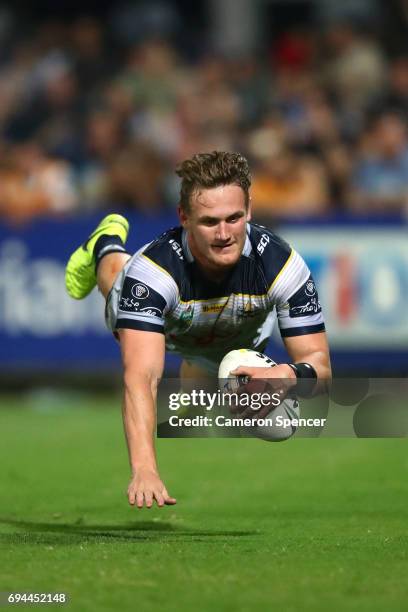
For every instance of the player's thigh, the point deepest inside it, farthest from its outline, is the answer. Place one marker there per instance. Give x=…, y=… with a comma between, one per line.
x=189, y=369
x=195, y=376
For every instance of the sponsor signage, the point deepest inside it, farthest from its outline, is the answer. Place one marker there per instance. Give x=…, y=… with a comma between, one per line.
x=362, y=279
x=361, y=275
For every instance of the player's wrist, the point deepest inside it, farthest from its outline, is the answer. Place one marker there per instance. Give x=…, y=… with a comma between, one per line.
x=289, y=371
x=144, y=469
x=303, y=370
x=306, y=378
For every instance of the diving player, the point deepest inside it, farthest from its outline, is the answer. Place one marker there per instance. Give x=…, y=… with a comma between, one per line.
x=214, y=284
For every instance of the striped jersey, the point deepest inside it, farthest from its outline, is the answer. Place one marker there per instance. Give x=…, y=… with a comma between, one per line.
x=162, y=289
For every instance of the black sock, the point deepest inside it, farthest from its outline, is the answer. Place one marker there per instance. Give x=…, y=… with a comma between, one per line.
x=107, y=244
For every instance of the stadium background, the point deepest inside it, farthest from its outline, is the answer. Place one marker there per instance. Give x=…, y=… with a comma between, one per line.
x=99, y=105
x=99, y=101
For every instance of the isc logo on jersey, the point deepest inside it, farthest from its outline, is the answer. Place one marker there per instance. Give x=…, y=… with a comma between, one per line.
x=263, y=243
x=176, y=247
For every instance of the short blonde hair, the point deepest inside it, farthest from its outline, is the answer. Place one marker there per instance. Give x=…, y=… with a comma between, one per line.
x=207, y=170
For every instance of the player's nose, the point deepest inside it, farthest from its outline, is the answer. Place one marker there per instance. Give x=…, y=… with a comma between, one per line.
x=222, y=232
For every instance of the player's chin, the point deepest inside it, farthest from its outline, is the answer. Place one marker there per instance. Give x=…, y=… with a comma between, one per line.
x=226, y=257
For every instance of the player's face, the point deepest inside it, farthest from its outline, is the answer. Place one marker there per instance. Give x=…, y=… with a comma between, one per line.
x=216, y=227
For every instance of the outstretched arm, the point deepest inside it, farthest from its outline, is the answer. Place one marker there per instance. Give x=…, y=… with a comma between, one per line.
x=312, y=349
x=143, y=361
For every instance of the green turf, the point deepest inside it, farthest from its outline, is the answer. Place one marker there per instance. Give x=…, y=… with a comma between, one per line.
x=301, y=525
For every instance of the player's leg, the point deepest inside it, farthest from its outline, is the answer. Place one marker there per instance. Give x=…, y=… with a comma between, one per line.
x=195, y=375
x=190, y=369
x=192, y=377
x=108, y=269
x=87, y=266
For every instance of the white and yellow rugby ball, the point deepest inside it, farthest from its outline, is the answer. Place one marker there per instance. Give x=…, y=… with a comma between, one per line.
x=241, y=357
x=229, y=383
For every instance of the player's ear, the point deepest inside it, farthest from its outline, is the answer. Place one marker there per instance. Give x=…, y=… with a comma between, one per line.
x=182, y=215
x=249, y=209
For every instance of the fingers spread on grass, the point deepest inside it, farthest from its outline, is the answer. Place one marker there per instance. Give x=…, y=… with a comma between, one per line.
x=149, y=499
x=169, y=501
x=159, y=498
x=139, y=499
x=131, y=497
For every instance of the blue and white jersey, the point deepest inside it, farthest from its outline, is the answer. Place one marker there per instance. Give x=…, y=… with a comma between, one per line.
x=162, y=289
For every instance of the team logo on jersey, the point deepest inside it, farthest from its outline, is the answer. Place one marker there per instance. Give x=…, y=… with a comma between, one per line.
x=305, y=301
x=311, y=307
x=310, y=288
x=140, y=291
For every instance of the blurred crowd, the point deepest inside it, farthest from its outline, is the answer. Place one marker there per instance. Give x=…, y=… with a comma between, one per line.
x=86, y=122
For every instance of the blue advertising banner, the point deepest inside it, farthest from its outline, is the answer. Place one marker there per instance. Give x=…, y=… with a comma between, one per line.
x=41, y=327
x=361, y=272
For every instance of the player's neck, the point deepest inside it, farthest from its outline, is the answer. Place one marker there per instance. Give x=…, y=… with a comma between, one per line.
x=214, y=275
x=212, y=272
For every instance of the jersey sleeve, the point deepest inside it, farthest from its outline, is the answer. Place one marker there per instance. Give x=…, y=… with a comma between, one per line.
x=148, y=293
x=297, y=302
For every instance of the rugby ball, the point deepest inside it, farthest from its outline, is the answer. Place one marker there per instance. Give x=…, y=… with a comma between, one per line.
x=287, y=410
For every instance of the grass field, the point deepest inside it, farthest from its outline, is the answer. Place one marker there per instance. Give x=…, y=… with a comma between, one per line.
x=302, y=525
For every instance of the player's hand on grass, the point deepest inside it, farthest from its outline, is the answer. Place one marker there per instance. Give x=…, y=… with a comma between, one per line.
x=145, y=488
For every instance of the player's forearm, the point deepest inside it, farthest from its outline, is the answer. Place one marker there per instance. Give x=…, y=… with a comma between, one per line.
x=320, y=361
x=139, y=418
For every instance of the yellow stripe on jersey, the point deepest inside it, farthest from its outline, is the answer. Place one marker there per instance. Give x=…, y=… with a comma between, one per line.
x=282, y=270
x=226, y=297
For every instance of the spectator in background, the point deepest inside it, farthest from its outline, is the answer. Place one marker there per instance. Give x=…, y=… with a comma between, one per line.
x=380, y=176
x=208, y=109
x=395, y=96
x=319, y=134
x=32, y=183
x=285, y=184
x=16, y=79
x=104, y=139
x=136, y=179
x=250, y=83
x=90, y=93
x=91, y=62
x=356, y=69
